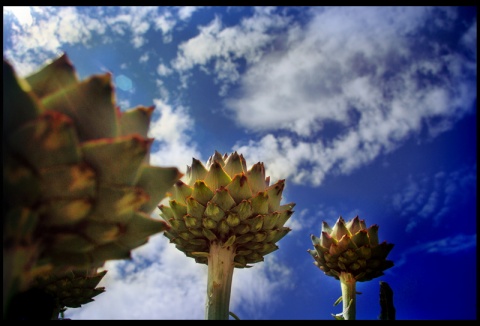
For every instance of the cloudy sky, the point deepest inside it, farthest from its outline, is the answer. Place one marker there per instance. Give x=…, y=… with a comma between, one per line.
x=364, y=111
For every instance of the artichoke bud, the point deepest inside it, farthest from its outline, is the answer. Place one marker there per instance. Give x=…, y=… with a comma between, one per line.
x=231, y=205
x=81, y=167
x=351, y=247
x=71, y=288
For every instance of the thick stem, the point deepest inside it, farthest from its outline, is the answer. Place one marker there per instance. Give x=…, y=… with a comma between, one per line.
x=219, y=286
x=348, y=284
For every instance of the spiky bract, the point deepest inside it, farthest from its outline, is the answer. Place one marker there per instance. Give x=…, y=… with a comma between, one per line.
x=226, y=204
x=351, y=247
x=77, y=183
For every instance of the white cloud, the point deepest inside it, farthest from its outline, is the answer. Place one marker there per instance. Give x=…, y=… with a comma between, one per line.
x=225, y=45
x=254, y=289
x=163, y=70
x=136, y=20
x=21, y=13
x=160, y=282
x=165, y=22
x=354, y=68
x=185, y=12
x=469, y=39
x=366, y=76
x=171, y=129
x=144, y=58
x=34, y=44
x=164, y=93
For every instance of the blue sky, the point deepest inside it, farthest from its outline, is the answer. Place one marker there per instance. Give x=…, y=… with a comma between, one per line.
x=367, y=111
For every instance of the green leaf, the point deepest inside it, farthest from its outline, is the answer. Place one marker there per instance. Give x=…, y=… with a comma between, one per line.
x=216, y=177
x=232, y=219
x=260, y=203
x=201, y=192
x=136, y=121
x=19, y=102
x=156, y=181
x=235, y=164
x=195, y=172
x=256, y=178
x=233, y=315
x=65, y=243
x=166, y=212
x=49, y=140
x=209, y=234
x=65, y=212
x=223, y=199
x=280, y=234
x=181, y=191
x=338, y=301
x=244, y=210
x=255, y=223
x=373, y=235
x=339, y=229
x=354, y=225
x=361, y=239
x=21, y=186
x=68, y=181
x=101, y=232
x=53, y=77
x=90, y=104
x=230, y=241
x=283, y=218
x=214, y=212
x=275, y=195
x=270, y=221
x=239, y=188
x=139, y=229
x=194, y=208
x=179, y=210
x=128, y=153
x=116, y=204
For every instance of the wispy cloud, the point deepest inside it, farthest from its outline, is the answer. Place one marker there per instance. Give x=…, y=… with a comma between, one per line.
x=33, y=44
x=53, y=27
x=185, y=12
x=430, y=199
x=163, y=70
x=361, y=78
x=375, y=80
x=224, y=45
x=446, y=246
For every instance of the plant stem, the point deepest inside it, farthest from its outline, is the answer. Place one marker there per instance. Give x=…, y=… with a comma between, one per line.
x=348, y=285
x=219, y=286
x=387, y=309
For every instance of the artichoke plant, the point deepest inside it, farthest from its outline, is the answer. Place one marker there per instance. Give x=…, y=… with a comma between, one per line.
x=66, y=290
x=227, y=217
x=350, y=252
x=72, y=289
x=78, y=188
